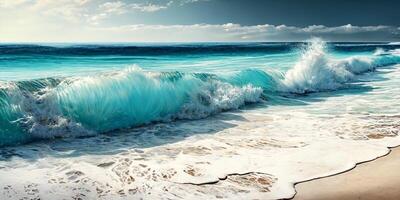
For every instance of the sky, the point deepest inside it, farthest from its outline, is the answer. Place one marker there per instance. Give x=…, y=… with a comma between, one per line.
x=198, y=20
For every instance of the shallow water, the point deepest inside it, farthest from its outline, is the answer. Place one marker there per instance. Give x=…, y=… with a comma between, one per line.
x=197, y=121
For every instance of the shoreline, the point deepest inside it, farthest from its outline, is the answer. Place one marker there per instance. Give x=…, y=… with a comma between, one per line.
x=378, y=178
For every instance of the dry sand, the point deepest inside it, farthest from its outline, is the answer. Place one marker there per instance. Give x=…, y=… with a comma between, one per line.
x=375, y=180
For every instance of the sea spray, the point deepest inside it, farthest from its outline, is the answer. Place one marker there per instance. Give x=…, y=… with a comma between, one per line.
x=317, y=71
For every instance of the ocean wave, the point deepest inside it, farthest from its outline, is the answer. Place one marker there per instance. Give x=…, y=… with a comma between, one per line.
x=317, y=71
x=76, y=106
x=132, y=97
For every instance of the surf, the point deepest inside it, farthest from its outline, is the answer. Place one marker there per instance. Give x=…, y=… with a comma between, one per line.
x=88, y=105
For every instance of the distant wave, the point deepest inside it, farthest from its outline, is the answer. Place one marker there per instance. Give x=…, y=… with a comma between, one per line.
x=143, y=50
x=316, y=71
x=178, y=49
x=76, y=106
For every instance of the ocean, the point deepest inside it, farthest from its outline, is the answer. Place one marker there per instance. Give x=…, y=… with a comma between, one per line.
x=191, y=120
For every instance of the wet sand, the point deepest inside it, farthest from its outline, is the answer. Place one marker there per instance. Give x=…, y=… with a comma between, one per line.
x=378, y=179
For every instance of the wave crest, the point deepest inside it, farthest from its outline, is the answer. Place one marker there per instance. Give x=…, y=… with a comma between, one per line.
x=317, y=71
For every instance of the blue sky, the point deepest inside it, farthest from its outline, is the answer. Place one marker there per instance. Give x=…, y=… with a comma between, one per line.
x=197, y=20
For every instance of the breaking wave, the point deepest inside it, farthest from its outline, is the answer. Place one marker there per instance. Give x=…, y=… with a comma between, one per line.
x=77, y=106
x=317, y=71
x=87, y=105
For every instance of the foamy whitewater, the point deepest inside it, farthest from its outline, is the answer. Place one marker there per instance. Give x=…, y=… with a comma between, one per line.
x=191, y=121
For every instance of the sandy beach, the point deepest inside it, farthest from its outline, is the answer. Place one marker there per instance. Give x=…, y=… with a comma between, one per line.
x=378, y=179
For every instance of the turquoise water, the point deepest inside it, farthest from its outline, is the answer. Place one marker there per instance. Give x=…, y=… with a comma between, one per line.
x=66, y=90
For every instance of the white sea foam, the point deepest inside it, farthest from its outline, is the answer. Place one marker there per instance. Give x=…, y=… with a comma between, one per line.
x=316, y=71
x=395, y=52
x=38, y=115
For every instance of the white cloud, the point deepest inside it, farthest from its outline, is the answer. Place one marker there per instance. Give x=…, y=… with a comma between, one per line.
x=183, y=2
x=52, y=3
x=95, y=19
x=344, y=29
x=237, y=32
x=148, y=7
x=81, y=11
x=63, y=10
x=12, y=3
x=117, y=7
x=109, y=9
x=212, y=32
